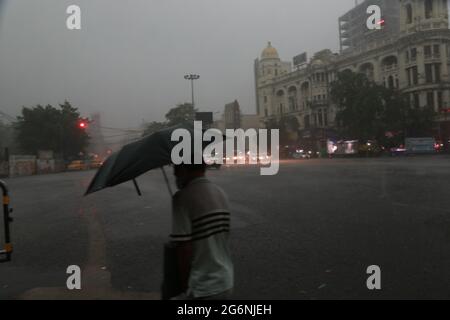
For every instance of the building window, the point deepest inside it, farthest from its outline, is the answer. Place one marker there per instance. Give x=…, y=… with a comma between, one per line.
x=437, y=50
x=437, y=72
x=265, y=99
x=428, y=9
x=439, y=100
x=413, y=76
x=413, y=54
x=266, y=113
x=391, y=82
x=407, y=56
x=427, y=52
x=291, y=104
x=307, y=122
x=409, y=13
x=432, y=73
x=430, y=99
x=429, y=73
x=416, y=100
x=320, y=118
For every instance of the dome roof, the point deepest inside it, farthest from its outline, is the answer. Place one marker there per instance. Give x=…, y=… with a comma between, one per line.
x=270, y=52
x=317, y=62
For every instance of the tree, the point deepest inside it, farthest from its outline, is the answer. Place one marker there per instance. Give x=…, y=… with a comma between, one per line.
x=6, y=139
x=360, y=105
x=288, y=127
x=50, y=128
x=74, y=138
x=369, y=111
x=420, y=121
x=181, y=114
x=2, y=133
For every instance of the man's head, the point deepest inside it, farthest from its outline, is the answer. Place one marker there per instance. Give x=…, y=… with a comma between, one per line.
x=185, y=173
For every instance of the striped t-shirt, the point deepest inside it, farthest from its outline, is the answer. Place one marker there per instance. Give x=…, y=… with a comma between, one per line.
x=201, y=215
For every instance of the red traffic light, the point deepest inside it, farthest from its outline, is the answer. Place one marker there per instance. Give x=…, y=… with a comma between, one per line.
x=82, y=124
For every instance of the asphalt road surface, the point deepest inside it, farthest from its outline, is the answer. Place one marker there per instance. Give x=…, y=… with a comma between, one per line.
x=309, y=232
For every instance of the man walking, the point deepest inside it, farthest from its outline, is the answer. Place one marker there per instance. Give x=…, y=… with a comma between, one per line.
x=201, y=226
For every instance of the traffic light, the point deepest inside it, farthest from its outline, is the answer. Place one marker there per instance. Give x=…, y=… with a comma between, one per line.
x=83, y=124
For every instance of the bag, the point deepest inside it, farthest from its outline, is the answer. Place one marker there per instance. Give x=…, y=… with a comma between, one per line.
x=172, y=285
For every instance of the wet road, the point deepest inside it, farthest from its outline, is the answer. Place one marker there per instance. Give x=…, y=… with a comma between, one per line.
x=308, y=233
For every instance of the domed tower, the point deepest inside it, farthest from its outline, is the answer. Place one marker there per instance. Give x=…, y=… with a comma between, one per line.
x=270, y=63
x=267, y=68
x=422, y=15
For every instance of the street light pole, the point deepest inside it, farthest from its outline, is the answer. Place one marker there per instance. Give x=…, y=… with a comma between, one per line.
x=192, y=78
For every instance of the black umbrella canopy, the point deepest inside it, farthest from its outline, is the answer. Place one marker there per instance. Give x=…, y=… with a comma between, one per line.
x=134, y=159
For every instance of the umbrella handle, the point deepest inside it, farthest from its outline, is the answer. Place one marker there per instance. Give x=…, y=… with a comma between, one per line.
x=138, y=190
x=167, y=181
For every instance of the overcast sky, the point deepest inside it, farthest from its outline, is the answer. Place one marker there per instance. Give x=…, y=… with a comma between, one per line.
x=129, y=59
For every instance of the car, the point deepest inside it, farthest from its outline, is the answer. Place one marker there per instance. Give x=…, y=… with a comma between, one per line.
x=301, y=154
x=95, y=164
x=77, y=165
x=398, y=151
x=439, y=147
x=262, y=158
x=239, y=156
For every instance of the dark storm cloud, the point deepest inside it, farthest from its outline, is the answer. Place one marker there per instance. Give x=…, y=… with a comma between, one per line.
x=129, y=59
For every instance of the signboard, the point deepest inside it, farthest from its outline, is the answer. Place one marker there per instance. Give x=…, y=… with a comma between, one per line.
x=301, y=59
x=420, y=145
x=343, y=148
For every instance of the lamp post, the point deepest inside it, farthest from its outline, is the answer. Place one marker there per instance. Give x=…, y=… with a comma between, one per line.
x=192, y=78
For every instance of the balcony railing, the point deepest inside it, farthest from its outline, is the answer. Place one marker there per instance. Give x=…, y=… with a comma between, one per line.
x=432, y=56
x=390, y=68
x=318, y=103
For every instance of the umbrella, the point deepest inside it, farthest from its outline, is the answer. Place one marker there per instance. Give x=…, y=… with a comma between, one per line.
x=151, y=152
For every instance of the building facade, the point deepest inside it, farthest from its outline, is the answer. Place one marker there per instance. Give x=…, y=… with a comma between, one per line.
x=415, y=60
x=233, y=118
x=232, y=115
x=352, y=34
